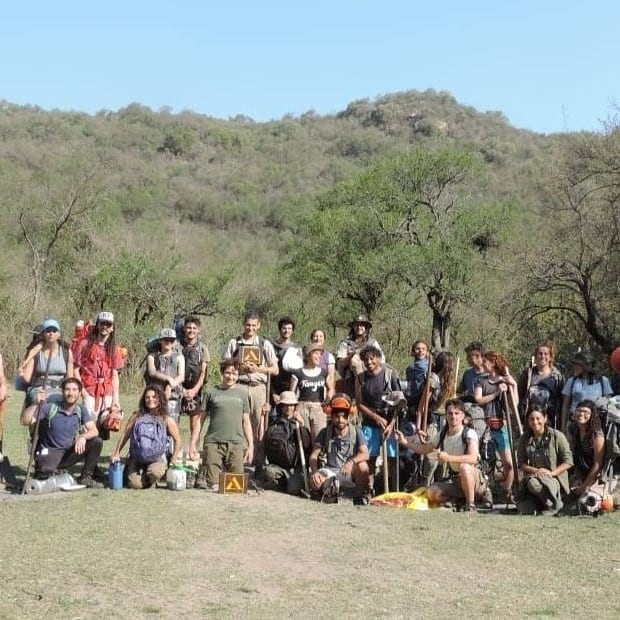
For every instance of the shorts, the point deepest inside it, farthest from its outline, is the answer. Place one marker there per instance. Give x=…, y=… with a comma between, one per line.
x=334, y=472
x=192, y=406
x=374, y=438
x=501, y=439
x=452, y=488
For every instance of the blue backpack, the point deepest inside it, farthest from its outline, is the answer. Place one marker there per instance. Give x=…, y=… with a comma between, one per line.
x=149, y=439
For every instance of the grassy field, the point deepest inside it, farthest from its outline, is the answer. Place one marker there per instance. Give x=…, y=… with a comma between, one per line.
x=164, y=554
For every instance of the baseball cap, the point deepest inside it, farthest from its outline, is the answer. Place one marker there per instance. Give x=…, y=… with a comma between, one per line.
x=50, y=323
x=105, y=317
x=167, y=334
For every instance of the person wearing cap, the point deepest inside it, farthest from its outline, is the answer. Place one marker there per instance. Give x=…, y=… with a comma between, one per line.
x=166, y=368
x=339, y=458
x=98, y=361
x=313, y=387
x=584, y=384
x=258, y=364
x=283, y=470
x=348, y=362
x=47, y=364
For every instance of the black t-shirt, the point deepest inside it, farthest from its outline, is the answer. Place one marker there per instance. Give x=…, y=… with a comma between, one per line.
x=374, y=387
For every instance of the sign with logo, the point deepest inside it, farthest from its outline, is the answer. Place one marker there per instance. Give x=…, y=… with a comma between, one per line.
x=233, y=483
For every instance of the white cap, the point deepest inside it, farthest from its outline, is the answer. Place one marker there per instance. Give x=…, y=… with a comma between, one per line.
x=105, y=316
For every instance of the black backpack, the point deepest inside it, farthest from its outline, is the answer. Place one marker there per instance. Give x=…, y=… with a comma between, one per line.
x=193, y=364
x=281, y=444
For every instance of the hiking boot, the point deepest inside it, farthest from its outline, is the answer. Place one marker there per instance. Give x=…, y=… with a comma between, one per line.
x=470, y=508
x=90, y=483
x=363, y=499
x=99, y=475
x=486, y=501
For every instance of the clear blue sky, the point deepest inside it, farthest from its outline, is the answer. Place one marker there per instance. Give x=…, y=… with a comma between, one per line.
x=548, y=65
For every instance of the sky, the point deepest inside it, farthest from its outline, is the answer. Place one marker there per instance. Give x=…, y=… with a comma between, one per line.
x=547, y=65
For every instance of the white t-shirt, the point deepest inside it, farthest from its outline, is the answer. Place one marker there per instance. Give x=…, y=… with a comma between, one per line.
x=453, y=444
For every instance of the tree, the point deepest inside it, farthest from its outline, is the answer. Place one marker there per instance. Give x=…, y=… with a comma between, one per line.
x=577, y=270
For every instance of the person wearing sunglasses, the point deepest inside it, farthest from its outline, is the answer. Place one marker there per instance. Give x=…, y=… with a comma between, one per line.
x=48, y=364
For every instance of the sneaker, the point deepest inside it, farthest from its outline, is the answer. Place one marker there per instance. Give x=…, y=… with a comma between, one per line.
x=99, y=475
x=470, y=508
x=363, y=499
x=90, y=483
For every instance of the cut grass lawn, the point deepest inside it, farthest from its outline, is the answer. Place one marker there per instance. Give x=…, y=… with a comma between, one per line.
x=149, y=554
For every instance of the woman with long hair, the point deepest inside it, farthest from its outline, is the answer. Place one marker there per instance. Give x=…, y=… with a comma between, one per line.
x=146, y=472
x=587, y=441
x=98, y=360
x=328, y=361
x=545, y=458
x=540, y=385
x=489, y=393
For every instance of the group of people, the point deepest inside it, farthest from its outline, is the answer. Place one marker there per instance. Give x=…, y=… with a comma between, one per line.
x=312, y=423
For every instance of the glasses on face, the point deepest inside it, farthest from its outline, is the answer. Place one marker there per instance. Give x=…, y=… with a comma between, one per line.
x=105, y=323
x=583, y=410
x=51, y=330
x=168, y=339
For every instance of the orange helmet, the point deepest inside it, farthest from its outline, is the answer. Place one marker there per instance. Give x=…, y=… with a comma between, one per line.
x=340, y=402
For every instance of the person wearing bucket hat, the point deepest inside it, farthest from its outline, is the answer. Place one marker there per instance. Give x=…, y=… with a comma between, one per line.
x=48, y=363
x=283, y=470
x=348, y=361
x=584, y=384
x=313, y=386
x=166, y=369
x=98, y=361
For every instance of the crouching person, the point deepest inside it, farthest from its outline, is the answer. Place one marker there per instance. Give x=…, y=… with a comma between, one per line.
x=147, y=432
x=339, y=458
x=229, y=442
x=456, y=446
x=284, y=470
x=67, y=434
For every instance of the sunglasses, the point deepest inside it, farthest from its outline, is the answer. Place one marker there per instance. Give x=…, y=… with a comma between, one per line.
x=105, y=323
x=51, y=330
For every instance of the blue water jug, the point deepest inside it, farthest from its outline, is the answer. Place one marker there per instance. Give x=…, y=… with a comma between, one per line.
x=115, y=474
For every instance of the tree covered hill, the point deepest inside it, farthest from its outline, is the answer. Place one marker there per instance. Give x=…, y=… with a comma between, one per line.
x=152, y=213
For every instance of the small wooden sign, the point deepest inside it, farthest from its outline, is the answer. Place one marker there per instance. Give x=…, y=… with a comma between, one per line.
x=233, y=483
x=249, y=353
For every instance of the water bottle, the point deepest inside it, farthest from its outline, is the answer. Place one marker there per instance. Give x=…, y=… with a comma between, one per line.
x=176, y=478
x=115, y=475
x=50, y=485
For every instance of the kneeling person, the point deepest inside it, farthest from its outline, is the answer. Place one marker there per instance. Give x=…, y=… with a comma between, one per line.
x=284, y=470
x=67, y=434
x=340, y=455
x=229, y=442
x=147, y=432
x=457, y=446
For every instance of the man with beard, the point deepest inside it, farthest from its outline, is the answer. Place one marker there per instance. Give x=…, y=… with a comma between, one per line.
x=67, y=434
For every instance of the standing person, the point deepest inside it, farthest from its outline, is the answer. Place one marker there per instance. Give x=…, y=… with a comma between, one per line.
x=147, y=431
x=281, y=345
x=328, y=361
x=545, y=458
x=540, y=386
x=456, y=446
x=257, y=365
x=584, y=384
x=489, y=394
x=415, y=375
x=376, y=382
x=98, y=361
x=3, y=397
x=52, y=349
x=67, y=434
x=166, y=369
x=196, y=357
x=313, y=387
x=348, y=361
x=473, y=352
x=339, y=458
x=229, y=442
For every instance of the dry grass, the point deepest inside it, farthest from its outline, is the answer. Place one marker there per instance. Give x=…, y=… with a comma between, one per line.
x=148, y=554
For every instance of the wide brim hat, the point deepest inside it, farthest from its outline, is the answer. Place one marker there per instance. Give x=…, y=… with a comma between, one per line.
x=360, y=318
x=288, y=398
x=312, y=346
